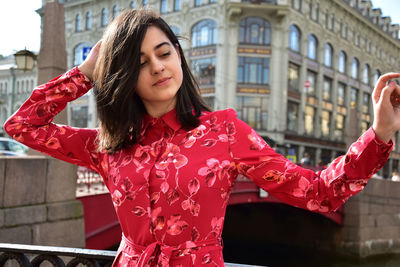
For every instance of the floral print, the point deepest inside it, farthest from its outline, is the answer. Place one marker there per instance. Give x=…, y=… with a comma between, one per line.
x=171, y=189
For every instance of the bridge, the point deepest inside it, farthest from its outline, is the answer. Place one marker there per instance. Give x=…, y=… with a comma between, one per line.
x=102, y=228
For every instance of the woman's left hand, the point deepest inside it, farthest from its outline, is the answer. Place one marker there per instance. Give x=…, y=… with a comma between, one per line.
x=386, y=115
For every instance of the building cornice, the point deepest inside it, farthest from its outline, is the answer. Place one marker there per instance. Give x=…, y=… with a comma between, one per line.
x=365, y=21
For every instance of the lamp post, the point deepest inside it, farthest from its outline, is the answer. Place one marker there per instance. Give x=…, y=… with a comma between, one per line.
x=25, y=61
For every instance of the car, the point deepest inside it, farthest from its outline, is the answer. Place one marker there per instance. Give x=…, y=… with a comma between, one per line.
x=10, y=147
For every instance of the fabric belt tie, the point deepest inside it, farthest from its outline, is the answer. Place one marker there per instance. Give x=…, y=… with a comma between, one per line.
x=149, y=254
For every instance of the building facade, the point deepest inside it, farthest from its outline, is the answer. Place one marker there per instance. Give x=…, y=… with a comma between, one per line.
x=15, y=87
x=300, y=72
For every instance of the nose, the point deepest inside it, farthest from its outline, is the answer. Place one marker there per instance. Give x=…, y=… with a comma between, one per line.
x=157, y=67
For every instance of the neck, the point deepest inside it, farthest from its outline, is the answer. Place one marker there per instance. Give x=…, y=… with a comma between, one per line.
x=157, y=110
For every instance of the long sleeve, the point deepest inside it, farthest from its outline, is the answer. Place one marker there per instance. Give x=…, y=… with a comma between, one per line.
x=323, y=191
x=32, y=123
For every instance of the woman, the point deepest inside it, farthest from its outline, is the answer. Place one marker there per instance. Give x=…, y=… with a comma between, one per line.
x=170, y=163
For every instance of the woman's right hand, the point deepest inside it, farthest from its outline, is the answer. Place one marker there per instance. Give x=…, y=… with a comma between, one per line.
x=88, y=65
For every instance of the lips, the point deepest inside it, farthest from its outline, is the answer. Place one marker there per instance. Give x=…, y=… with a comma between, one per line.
x=162, y=82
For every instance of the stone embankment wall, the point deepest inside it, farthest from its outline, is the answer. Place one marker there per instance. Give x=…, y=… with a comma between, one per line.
x=371, y=223
x=38, y=204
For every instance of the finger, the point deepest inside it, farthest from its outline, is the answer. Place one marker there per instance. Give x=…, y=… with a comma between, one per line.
x=381, y=83
x=386, y=93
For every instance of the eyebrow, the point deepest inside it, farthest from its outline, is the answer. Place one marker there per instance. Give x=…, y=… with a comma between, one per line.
x=158, y=46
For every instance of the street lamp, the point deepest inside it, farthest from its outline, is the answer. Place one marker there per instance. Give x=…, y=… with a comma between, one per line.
x=25, y=61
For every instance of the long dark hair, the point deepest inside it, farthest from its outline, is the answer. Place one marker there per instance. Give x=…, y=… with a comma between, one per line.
x=120, y=109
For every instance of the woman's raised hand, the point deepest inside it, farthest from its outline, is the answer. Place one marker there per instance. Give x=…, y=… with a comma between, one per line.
x=87, y=66
x=386, y=112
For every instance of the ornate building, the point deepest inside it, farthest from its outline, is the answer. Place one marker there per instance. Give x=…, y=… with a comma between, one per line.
x=15, y=88
x=300, y=72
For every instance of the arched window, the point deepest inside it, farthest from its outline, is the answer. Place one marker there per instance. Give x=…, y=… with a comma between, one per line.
x=312, y=47
x=132, y=4
x=354, y=68
x=78, y=23
x=255, y=30
x=177, y=5
x=88, y=22
x=103, y=17
x=342, y=62
x=176, y=30
x=115, y=11
x=80, y=53
x=294, y=38
x=328, y=51
x=204, y=33
x=163, y=6
x=377, y=74
x=366, y=74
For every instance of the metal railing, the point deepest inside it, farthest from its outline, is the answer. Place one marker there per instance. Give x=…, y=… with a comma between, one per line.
x=33, y=256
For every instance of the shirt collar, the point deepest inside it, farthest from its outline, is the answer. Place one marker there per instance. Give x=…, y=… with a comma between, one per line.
x=168, y=118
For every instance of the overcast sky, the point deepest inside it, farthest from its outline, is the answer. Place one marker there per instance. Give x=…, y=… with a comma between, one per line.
x=20, y=24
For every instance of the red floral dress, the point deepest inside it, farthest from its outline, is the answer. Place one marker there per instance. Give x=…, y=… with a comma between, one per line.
x=171, y=189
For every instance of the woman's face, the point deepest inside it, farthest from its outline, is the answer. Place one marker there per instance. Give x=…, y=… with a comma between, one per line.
x=160, y=75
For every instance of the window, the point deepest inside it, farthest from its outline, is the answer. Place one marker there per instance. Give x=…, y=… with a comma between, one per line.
x=339, y=129
x=366, y=98
x=176, y=30
x=354, y=68
x=197, y=2
x=309, y=118
x=377, y=74
x=204, y=70
x=312, y=79
x=209, y=100
x=328, y=50
x=80, y=53
x=364, y=126
x=314, y=11
x=296, y=4
x=342, y=62
x=253, y=110
x=177, y=5
x=145, y=3
x=294, y=38
x=343, y=30
x=163, y=6
x=366, y=74
x=312, y=47
x=354, y=97
x=114, y=11
x=103, y=17
x=78, y=23
x=88, y=23
x=204, y=33
x=325, y=121
x=253, y=70
x=292, y=115
x=79, y=116
x=293, y=77
x=327, y=89
x=254, y=30
x=132, y=4
x=330, y=21
x=341, y=94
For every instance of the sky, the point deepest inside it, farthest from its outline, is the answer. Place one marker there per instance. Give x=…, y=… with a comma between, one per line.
x=20, y=24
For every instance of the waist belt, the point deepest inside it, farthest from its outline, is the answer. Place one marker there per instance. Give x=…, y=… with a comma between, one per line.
x=159, y=254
